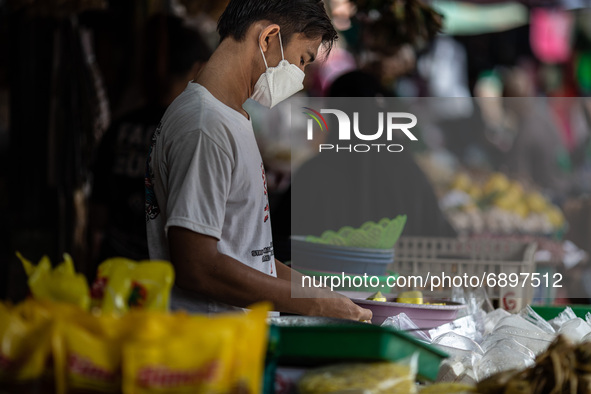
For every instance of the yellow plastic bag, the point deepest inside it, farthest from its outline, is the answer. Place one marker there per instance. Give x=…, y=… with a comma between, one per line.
x=25, y=341
x=87, y=353
x=252, y=331
x=199, y=354
x=122, y=284
x=59, y=284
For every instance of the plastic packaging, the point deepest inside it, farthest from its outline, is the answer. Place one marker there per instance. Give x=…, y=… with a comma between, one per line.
x=564, y=316
x=369, y=378
x=575, y=330
x=404, y=323
x=25, y=341
x=87, y=352
x=505, y=355
x=458, y=341
x=459, y=367
x=492, y=319
x=198, y=354
x=464, y=355
x=531, y=316
x=142, y=351
x=537, y=342
x=122, y=284
x=466, y=326
x=519, y=323
x=59, y=284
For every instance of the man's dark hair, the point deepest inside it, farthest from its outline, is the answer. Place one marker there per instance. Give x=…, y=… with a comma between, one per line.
x=293, y=16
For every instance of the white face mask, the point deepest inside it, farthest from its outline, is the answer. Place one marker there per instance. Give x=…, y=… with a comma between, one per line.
x=277, y=83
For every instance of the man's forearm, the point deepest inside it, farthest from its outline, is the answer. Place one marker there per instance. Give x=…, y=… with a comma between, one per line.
x=234, y=283
x=286, y=273
x=201, y=268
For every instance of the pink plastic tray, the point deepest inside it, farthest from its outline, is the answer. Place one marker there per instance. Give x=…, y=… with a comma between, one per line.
x=424, y=316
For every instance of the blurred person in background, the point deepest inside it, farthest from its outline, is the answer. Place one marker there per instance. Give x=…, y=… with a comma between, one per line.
x=538, y=152
x=381, y=39
x=173, y=56
x=390, y=42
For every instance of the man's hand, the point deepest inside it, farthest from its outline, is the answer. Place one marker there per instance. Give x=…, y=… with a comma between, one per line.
x=344, y=308
x=335, y=306
x=201, y=268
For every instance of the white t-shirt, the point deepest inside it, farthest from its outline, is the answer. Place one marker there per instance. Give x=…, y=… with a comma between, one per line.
x=205, y=173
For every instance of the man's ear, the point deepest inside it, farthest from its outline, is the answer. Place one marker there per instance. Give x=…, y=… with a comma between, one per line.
x=266, y=34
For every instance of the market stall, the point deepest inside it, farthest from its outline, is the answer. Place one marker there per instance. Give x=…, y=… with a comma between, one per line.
x=119, y=337
x=460, y=225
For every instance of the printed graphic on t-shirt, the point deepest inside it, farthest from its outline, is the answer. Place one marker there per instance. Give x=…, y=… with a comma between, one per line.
x=266, y=253
x=152, y=208
x=266, y=197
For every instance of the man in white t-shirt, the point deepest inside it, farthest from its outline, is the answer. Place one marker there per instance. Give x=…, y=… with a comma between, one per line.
x=206, y=196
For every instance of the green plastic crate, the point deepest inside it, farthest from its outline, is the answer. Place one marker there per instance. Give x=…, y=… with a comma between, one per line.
x=549, y=312
x=326, y=344
x=271, y=360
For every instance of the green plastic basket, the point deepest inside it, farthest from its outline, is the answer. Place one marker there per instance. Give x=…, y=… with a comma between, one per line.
x=327, y=344
x=549, y=312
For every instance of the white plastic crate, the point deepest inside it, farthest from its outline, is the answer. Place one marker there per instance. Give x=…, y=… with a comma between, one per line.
x=417, y=256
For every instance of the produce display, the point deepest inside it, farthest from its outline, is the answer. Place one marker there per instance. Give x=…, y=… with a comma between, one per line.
x=499, y=205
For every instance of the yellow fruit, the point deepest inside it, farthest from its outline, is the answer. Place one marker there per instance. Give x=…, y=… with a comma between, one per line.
x=475, y=192
x=496, y=183
x=461, y=182
x=470, y=207
x=510, y=198
x=377, y=297
x=521, y=209
x=410, y=297
x=536, y=202
x=515, y=190
x=555, y=216
x=505, y=202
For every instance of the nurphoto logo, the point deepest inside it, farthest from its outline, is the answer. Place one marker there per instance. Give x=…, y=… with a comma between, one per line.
x=390, y=119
